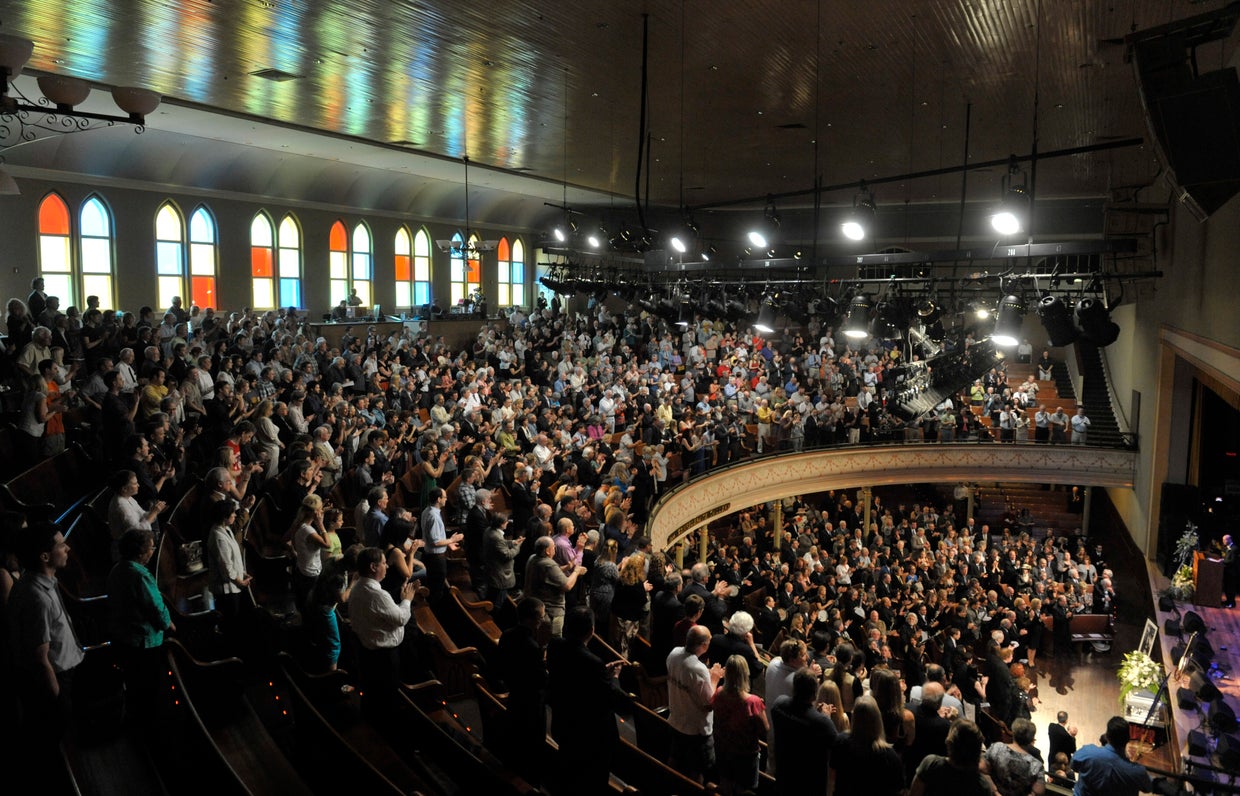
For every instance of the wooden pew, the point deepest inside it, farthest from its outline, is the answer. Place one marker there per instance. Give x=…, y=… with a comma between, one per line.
x=189, y=600
x=470, y=624
x=51, y=489
x=230, y=742
x=455, y=666
x=433, y=729
x=639, y=770
x=335, y=746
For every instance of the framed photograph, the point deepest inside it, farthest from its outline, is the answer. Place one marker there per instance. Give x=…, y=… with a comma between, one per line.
x=1148, y=637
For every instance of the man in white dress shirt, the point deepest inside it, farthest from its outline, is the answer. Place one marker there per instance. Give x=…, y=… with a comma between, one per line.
x=379, y=623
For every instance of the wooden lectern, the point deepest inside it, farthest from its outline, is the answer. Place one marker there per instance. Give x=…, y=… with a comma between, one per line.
x=1207, y=580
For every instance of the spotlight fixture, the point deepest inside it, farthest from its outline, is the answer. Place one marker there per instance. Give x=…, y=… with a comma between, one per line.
x=684, y=235
x=860, y=220
x=564, y=230
x=888, y=322
x=710, y=253
x=1008, y=322
x=930, y=313
x=763, y=235
x=765, y=322
x=1096, y=323
x=856, y=325
x=1057, y=320
x=55, y=112
x=979, y=309
x=596, y=237
x=1013, y=212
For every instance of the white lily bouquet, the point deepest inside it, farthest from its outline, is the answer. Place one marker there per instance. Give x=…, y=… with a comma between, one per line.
x=1138, y=672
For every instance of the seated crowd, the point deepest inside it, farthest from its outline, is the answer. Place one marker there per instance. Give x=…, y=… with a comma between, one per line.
x=576, y=423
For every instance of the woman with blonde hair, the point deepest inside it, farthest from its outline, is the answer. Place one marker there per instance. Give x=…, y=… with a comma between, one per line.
x=267, y=437
x=309, y=540
x=740, y=723
x=865, y=764
x=829, y=694
x=603, y=578
x=632, y=601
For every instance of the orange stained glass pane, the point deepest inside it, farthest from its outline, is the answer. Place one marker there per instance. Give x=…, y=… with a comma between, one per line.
x=339, y=238
x=54, y=216
x=503, y=249
x=260, y=261
x=203, y=291
x=402, y=268
x=475, y=270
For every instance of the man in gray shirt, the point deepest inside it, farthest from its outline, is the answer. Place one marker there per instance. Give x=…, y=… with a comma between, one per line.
x=547, y=581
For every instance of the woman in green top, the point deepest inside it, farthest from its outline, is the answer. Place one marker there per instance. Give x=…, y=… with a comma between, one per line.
x=138, y=619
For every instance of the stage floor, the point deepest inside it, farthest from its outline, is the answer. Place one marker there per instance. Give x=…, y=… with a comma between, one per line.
x=1224, y=636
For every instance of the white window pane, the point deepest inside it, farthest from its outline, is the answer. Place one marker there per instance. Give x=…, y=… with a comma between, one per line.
x=202, y=228
x=336, y=265
x=518, y=295
x=101, y=286
x=290, y=263
x=502, y=297
x=340, y=291
x=458, y=293
x=361, y=266
x=422, y=244
x=60, y=286
x=170, y=286
x=404, y=294
x=361, y=239
x=96, y=256
x=363, y=292
x=95, y=219
x=501, y=271
x=168, y=224
x=458, y=270
x=202, y=259
x=54, y=254
x=402, y=241
x=167, y=258
x=264, y=294
x=260, y=231
x=422, y=269
x=290, y=236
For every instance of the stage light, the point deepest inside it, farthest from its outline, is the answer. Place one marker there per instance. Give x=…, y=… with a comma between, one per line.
x=1008, y=322
x=596, y=237
x=856, y=325
x=1096, y=323
x=859, y=222
x=766, y=316
x=1013, y=211
x=763, y=234
x=1057, y=320
x=888, y=322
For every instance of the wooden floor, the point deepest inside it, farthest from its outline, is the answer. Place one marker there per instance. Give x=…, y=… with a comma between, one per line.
x=1224, y=637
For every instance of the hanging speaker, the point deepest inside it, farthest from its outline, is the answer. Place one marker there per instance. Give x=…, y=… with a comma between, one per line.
x=1198, y=744
x=1222, y=718
x=1186, y=698
x=1192, y=622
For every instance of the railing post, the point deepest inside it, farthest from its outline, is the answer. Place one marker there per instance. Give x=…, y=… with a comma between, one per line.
x=777, y=520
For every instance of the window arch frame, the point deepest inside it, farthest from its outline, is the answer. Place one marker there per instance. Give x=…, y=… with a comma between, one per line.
x=197, y=276
x=413, y=274
x=73, y=282
x=343, y=261
x=465, y=262
x=511, y=288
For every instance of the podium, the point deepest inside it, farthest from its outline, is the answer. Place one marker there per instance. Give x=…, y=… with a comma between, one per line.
x=1207, y=580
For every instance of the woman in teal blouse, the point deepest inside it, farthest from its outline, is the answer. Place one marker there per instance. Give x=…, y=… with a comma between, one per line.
x=139, y=619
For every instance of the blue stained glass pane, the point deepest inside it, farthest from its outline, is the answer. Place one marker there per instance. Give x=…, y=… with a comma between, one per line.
x=421, y=293
x=95, y=219
x=290, y=293
x=518, y=272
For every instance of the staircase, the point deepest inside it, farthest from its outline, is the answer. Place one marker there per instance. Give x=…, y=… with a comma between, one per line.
x=1096, y=398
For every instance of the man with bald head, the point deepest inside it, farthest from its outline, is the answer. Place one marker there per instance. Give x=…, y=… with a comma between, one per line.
x=690, y=689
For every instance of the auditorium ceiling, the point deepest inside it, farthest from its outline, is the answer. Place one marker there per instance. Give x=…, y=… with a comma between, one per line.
x=377, y=100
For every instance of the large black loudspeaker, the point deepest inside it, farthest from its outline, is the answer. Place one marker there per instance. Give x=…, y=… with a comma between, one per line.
x=1194, y=116
x=1192, y=622
x=1198, y=744
x=1221, y=717
x=1229, y=752
x=1203, y=687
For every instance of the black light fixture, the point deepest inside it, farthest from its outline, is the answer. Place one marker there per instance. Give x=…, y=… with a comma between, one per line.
x=1012, y=214
x=763, y=234
x=564, y=231
x=1008, y=322
x=684, y=236
x=765, y=322
x=930, y=313
x=859, y=222
x=596, y=237
x=1096, y=323
x=857, y=324
x=1061, y=330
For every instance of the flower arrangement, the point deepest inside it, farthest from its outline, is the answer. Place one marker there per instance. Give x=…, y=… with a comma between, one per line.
x=1182, y=586
x=1186, y=544
x=1138, y=672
